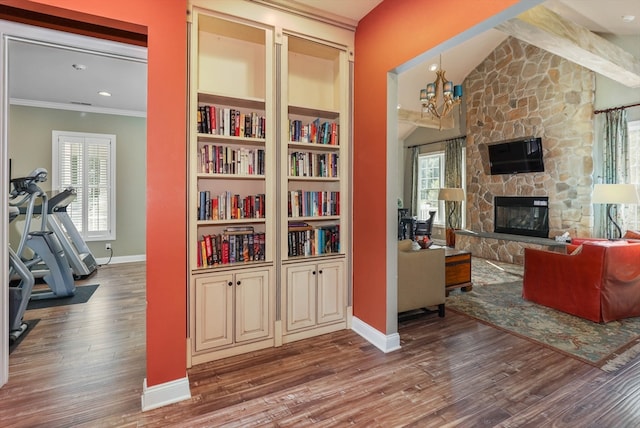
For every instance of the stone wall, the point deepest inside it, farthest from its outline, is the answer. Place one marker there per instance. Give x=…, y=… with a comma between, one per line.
x=518, y=91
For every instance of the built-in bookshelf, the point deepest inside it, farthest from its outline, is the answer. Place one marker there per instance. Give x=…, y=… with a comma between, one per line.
x=268, y=199
x=232, y=176
x=314, y=214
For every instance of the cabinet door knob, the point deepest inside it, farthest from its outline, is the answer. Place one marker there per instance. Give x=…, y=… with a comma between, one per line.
x=320, y=271
x=230, y=284
x=238, y=283
x=313, y=273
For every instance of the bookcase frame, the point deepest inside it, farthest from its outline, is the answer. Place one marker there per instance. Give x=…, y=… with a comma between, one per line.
x=314, y=84
x=232, y=305
x=247, y=56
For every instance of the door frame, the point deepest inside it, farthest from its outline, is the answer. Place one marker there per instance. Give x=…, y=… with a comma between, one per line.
x=16, y=31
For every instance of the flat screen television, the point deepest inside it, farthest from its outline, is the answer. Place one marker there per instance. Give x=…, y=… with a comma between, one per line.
x=516, y=156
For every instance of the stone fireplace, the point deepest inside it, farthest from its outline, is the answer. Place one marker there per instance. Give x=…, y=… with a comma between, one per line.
x=521, y=215
x=520, y=90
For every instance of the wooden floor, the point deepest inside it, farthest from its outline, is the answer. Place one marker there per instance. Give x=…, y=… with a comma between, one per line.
x=83, y=365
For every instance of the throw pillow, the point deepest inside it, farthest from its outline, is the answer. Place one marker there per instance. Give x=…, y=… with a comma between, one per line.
x=632, y=234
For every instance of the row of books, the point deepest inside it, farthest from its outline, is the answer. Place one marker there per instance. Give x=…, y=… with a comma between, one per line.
x=215, y=159
x=308, y=164
x=314, y=132
x=303, y=203
x=309, y=241
x=226, y=248
x=227, y=206
x=230, y=122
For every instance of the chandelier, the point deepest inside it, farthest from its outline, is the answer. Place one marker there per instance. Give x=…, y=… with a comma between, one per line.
x=429, y=97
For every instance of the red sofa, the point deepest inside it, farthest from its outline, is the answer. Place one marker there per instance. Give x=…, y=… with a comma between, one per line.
x=599, y=281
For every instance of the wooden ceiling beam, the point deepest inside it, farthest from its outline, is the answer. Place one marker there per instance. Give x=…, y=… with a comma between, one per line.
x=547, y=30
x=425, y=121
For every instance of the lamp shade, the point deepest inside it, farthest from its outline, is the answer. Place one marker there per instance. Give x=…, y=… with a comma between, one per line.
x=451, y=194
x=614, y=194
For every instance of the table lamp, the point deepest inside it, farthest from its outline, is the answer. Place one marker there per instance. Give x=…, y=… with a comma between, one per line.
x=612, y=194
x=451, y=194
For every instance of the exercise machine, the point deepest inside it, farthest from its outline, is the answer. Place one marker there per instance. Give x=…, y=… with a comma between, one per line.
x=19, y=290
x=48, y=261
x=75, y=248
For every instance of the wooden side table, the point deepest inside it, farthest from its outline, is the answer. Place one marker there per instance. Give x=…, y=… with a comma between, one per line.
x=457, y=269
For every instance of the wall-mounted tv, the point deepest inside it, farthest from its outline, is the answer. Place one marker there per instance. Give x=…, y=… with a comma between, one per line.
x=516, y=156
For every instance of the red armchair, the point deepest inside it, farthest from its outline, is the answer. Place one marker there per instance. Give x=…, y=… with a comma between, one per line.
x=599, y=281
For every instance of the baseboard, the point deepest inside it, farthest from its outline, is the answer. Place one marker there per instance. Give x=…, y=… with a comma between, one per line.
x=164, y=393
x=386, y=343
x=122, y=259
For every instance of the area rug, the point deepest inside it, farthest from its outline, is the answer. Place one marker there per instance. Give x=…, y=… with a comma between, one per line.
x=496, y=299
x=82, y=295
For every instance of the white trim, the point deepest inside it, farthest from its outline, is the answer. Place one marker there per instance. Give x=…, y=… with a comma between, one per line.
x=46, y=36
x=165, y=393
x=385, y=343
x=121, y=259
x=4, y=221
x=76, y=107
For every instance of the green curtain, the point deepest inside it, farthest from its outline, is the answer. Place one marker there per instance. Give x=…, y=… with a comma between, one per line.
x=453, y=176
x=615, y=165
x=415, y=153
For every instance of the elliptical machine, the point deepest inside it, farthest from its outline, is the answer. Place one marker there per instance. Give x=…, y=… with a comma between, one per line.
x=20, y=291
x=48, y=261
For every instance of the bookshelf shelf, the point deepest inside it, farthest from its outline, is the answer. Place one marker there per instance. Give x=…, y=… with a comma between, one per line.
x=230, y=267
x=319, y=179
x=295, y=145
x=204, y=175
x=230, y=221
x=227, y=100
x=313, y=112
x=314, y=218
x=231, y=140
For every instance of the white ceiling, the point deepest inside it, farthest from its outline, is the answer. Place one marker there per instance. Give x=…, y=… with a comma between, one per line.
x=44, y=74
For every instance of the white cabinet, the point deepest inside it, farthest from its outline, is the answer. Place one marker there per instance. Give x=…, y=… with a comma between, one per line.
x=315, y=295
x=232, y=308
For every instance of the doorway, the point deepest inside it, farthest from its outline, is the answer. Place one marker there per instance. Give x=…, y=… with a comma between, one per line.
x=57, y=43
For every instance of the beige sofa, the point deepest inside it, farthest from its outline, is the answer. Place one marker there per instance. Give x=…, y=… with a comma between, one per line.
x=421, y=278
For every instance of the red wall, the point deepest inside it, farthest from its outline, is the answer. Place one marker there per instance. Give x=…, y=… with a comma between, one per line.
x=165, y=22
x=393, y=33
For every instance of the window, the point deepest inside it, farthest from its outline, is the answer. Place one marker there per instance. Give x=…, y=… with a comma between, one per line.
x=86, y=162
x=430, y=180
x=632, y=212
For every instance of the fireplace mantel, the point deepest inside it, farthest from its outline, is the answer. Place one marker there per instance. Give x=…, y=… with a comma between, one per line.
x=503, y=247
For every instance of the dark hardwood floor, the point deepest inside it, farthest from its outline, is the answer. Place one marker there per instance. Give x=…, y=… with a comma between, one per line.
x=83, y=365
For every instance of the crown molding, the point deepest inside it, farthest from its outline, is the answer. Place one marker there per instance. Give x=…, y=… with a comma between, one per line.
x=76, y=107
x=299, y=9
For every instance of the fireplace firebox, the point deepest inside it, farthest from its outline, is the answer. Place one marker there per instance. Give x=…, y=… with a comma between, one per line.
x=522, y=215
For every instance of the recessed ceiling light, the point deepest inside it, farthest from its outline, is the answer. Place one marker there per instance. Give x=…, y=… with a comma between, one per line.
x=79, y=66
x=105, y=93
x=628, y=18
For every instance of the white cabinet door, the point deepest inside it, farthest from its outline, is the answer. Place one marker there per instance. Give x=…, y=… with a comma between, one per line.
x=252, y=305
x=331, y=292
x=301, y=296
x=214, y=311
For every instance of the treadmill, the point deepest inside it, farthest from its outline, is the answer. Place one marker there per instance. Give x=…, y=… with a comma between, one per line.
x=77, y=252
